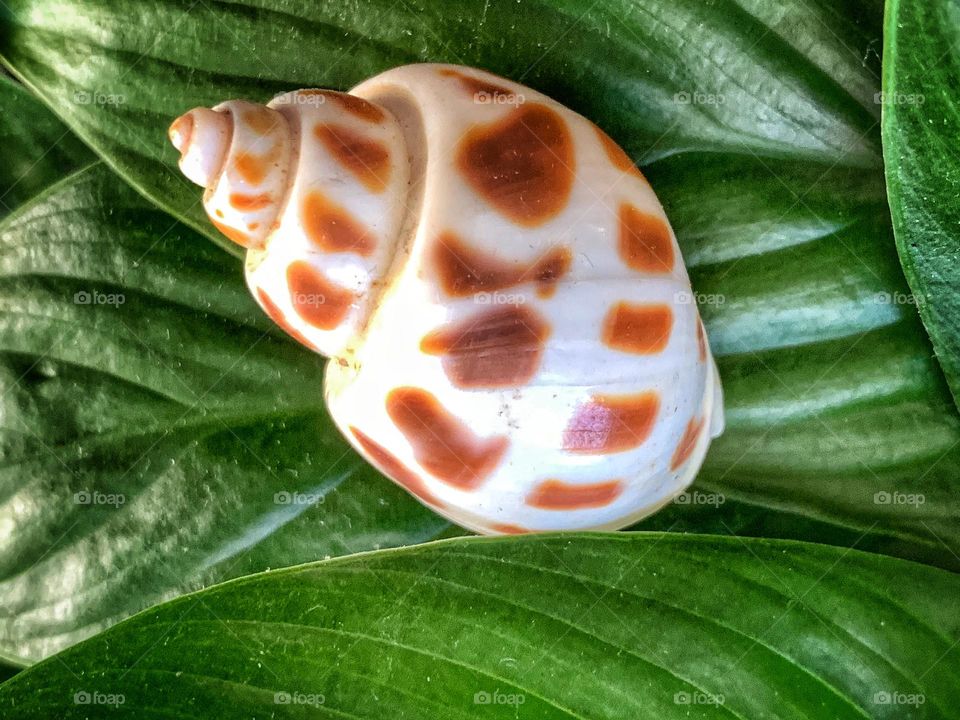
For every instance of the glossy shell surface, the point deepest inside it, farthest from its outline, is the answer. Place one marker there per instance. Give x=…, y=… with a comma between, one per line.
x=511, y=329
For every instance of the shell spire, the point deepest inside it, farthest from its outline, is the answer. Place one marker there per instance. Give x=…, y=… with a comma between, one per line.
x=314, y=185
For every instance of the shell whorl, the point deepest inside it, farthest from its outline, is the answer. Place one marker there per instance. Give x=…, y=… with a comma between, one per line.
x=314, y=185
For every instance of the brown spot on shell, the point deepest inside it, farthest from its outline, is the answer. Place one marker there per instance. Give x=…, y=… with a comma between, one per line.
x=245, y=202
x=701, y=341
x=687, y=443
x=645, y=241
x=261, y=120
x=611, y=423
x=238, y=236
x=318, y=301
x=464, y=270
x=618, y=158
x=475, y=85
x=252, y=167
x=442, y=443
x=332, y=228
x=367, y=160
x=507, y=529
x=181, y=132
x=522, y=165
x=637, y=329
x=276, y=314
x=358, y=107
x=558, y=495
x=389, y=465
x=496, y=348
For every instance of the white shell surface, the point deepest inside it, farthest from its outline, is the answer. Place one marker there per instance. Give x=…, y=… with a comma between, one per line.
x=519, y=346
x=533, y=417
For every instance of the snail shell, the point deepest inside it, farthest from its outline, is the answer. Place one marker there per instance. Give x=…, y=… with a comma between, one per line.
x=511, y=329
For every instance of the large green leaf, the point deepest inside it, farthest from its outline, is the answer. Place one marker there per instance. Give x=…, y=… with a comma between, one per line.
x=144, y=442
x=921, y=126
x=38, y=149
x=584, y=626
x=840, y=426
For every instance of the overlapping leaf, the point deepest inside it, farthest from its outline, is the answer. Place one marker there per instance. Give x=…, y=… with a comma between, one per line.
x=38, y=149
x=921, y=127
x=581, y=626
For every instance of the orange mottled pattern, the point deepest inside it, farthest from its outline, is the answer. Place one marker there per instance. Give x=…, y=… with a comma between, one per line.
x=319, y=302
x=238, y=236
x=261, y=120
x=182, y=128
x=358, y=107
x=645, y=243
x=618, y=158
x=275, y=314
x=390, y=466
x=508, y=529
x=332, y=228
x=479, y=88
x=464, y=270
x=611, y=423
x=246, y=202
x=367, y=160
x=637, y=329
x=496, y=348
x=687, y=443
x=559, y=495
x=252, y=167
x=522, y=165
x=442, y=443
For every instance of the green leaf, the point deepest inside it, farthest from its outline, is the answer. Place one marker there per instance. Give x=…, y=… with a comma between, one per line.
x=840, y=426
x=920, y=130
x=38, y=148
x=150, y=421
x=581, y=626
x=837, y=414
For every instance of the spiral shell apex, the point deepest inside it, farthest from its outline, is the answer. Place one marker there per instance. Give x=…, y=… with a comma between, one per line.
x=512, y=332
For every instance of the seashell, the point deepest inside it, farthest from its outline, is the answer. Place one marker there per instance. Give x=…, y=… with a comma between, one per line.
x=511, y=330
